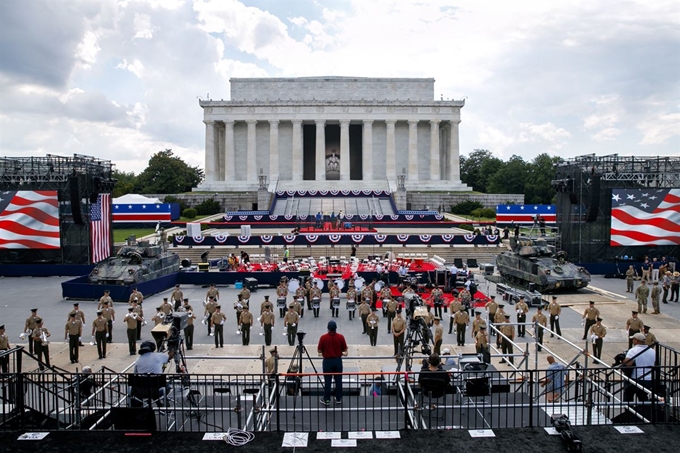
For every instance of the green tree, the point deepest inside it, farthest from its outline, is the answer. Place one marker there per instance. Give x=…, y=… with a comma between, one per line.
x=538, y=189
x=167, y=173
x=511, y=178
x=478, y=168
x=126, y=183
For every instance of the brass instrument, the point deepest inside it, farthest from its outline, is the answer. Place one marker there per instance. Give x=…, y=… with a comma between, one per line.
x=43, y=338
x=205, y=319
x=23, y=335
x=161, y=315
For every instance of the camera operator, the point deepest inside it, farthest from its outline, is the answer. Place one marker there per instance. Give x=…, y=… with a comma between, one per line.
x=642, y=358
x=433, y=379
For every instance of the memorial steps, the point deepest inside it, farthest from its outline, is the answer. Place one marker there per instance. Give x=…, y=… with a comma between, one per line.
x=309, y=206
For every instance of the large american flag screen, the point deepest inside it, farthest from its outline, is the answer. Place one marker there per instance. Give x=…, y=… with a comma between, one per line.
x=645, y=217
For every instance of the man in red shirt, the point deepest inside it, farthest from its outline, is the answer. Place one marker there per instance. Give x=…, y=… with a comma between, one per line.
x=332, y=346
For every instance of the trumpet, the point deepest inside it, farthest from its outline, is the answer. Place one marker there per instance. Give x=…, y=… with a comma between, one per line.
x=23, y=335
x=190, y=314
x=161, y=315
x=134, y=316
x=205, y=319
x=43, y=338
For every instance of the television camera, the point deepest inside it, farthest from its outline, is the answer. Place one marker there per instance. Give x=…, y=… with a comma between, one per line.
x=417, y=330
x=168, y=335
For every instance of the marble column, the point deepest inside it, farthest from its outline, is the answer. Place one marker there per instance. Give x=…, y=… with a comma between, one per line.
x=297, y=163
x=344, y=150
x=320, y=173
x=435, y=170
x=412, y=150
x=273, y=151
x=367, y=151
x=454, y=153
x=229, y=166
x=391, y=154
x=209, y=150
x=251, y=153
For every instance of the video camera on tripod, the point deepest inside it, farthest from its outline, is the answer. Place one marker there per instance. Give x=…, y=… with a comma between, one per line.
x=168, y=336
x=417, y=330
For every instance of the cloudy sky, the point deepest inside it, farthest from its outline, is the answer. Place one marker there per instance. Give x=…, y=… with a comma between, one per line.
x=120, y=79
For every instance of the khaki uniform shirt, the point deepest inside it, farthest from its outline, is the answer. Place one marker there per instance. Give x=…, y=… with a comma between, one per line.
x=157, y=319
x=246, y=318
x=267, y=318
x=4, y=342
x=554, y=309
x=522, y=307
x=541, y=318
x=591, y=313
x=508, y=330
x=650, y=339
x=74, y=327
x=491, y=307
x=100, y=325
x=80, y=316
x=475, y=325
x=599, y=331
x=438, y=331
x=300, y=293
x=245, y=294
x=351, y=294
x=499, y=317
x=210, y=307
x=213, y=292
x=191, y=317
x=218, y=318
x=297, y=307
x=392, y=306
x=135, y=295
x=482, y=339
x=366, y=293
x=455, y=307
x=166, y=308
x=398, y=326
x=364, y=309
x=130, y=321
x=372, y=321
x=461, y=318
x=270, y=365
x=104, y=299
x=30, y=323
x=266, y=305
x=109, y=314
x=37, y=333
x=281, y=291
x=290, y=318
x=177, y=295
x=635, y=324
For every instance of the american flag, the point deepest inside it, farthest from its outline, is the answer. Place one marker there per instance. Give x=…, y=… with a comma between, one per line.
x=29, y=219
x=100, y=228
x=645, y=217
x=525, y=213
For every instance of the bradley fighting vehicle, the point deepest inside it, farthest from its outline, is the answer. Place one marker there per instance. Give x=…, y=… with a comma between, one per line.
x=136, y=261
x=533, y=264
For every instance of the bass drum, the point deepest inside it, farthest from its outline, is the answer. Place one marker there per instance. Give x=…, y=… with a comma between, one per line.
x=359, y=283
x=340, y=283
x=293, y=285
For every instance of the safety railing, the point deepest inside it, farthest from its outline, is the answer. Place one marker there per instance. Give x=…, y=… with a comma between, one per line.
x=478, y=397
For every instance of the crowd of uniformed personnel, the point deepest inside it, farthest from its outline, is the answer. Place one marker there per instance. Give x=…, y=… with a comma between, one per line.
x=362, y=300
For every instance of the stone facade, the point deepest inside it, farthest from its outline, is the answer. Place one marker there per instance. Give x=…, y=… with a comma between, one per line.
x=280, y=133
x=433, y=200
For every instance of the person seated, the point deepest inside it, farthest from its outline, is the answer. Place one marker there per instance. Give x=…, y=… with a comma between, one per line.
x=148, y=366
x=434, y=381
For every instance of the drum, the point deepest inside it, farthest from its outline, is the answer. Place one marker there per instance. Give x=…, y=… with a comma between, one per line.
x=359, y=283
x=351, y=305
x=316, y=303
x=281, y=302
x=378, y=286
x=293, y=285
x=335, y=302
x=340, y=283
x=438, y=301
x=301, y=299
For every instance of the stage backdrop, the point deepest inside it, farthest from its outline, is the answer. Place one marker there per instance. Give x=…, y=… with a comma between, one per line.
x=525, y=213
x=645, y=217
x=29, y=219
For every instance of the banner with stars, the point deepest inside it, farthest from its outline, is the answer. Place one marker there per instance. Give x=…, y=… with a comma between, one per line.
x=645, y=217
x=525, y=213
x=141, y=213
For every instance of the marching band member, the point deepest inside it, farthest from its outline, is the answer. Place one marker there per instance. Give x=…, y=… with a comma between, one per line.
x=281, y=295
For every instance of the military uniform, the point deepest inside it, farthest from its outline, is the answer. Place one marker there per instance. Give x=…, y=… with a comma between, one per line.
x=522, y=310
x=650, y=339
x=80, y=316
x=218, y=319
x=266, y=306
x=245, y=296
x=372, y=322
x=385, y=295
x=454, y=308
x=246, y=320
x=290, y=322
x=238, y=306
x=4, y=346
x=213, y=293
x=177, y=296
x=134, y=295
x=189, y=329
x=466, y=298
x=364, y=311
x=351, y=302
x=267, y=320
x=281, y=294
x=315, y=295
x=656, y=292
x=438, y=337
x=166, y=308
x=31, y=323
x=157, y=319
x=110, y=315
x=438, y=301
x=398, y=332
x=300, y=296
x=599, y=332
x=482, y=345
x=100, y=331
x=641, y=294
x=476, y=322
x=462, y=319
x=42, y=351
x=555, y=309
x=74, y=331
x=104, y=298
x=508, y=330
x=634, y=325
x=630, y=277
x=210, y=311
x=540, y=321
x=131, y=321
x=367, y=295
x=491, y=308
x=140, y=319
x=590, y=316
x=497, y=320
x=392, y=306
x=299, y=308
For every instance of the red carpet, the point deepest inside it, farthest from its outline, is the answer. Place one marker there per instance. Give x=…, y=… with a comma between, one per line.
x=480, y=298
x=322, y=270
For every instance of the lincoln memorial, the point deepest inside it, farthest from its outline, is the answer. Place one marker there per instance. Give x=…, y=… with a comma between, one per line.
x=326, y=133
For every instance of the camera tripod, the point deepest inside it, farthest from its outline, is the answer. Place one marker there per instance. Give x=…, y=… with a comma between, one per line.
x=293, y=383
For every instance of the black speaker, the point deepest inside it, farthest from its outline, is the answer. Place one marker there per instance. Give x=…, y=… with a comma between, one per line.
x=75, y=200
x=594, y=205
x=133, y=419
x=573, y=198
x=97, y=187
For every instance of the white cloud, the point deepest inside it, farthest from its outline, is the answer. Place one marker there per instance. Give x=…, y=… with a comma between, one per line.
x=136, y=67
x=88, y=49
x=556, y=136
x=143, y=27
x=656, y=129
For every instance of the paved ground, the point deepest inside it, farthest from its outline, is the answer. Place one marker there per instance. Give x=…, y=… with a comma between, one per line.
x=19, y=295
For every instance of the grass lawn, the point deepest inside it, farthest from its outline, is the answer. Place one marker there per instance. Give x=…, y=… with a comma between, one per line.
x=120, y=234
x=195, y=219
x=477, y=219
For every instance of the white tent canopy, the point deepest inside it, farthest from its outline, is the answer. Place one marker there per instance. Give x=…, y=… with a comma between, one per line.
x=132, y=198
